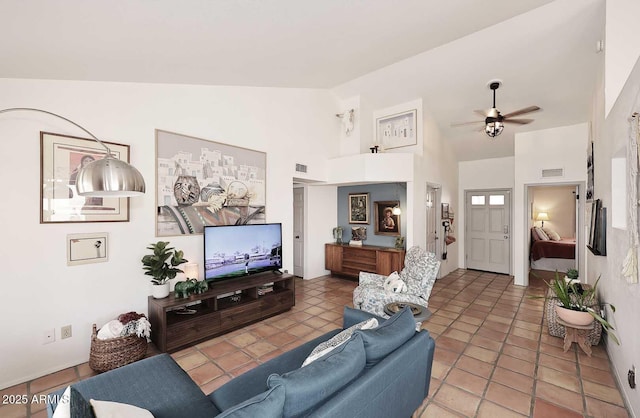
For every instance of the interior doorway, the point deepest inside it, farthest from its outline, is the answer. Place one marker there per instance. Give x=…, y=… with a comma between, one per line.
x=298, y=230
x=432, y=203
x=556, y=209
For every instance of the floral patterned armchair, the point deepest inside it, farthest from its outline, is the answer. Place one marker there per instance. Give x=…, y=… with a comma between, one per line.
x=419, y=274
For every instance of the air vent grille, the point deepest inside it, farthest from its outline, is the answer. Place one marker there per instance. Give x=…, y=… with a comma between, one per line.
x=301, y=168
x=553, y=172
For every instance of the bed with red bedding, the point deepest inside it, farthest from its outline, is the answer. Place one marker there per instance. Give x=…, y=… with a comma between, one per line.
x=552, y=255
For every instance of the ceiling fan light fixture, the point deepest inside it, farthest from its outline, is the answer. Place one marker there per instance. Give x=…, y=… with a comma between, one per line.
x=493, y=129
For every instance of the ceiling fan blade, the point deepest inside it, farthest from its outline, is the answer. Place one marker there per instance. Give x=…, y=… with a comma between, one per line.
x=483, y=113
x=466, y=123
x=518, y=121
x=522, y=111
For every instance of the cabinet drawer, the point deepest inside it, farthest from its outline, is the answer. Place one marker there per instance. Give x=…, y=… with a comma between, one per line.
x=184, y=332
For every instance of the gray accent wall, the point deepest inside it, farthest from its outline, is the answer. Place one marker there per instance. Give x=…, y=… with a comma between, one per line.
x=377, y=192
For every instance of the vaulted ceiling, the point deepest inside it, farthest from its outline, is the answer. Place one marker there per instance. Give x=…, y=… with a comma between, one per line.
x=445, y=52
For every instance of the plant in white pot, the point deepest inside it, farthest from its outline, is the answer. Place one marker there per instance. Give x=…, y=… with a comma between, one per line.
x=162, y=265
x=577, y=304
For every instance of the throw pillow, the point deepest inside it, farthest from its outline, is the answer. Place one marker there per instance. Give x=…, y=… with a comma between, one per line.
x=394, y=283
x=308, y=386
x=108, y=409
x=337, y=340
x=541, y=234
x=268, y=404
x=393, y=332
x=72, y=404
x=552, y=234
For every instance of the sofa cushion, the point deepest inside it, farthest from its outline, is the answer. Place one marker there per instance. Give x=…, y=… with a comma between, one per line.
x=308, y=386
x=327, y=346
x=268, y=404
x=73, y=404
x=352, y=316
x=107, y=409
x=137, y=384
x=393, y=332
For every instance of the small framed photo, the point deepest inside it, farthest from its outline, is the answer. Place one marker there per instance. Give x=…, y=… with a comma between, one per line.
x=397, y=130
x=87, y=248
x=61, y=157
x=358, y=208
x=445, y=210
x=386, y=222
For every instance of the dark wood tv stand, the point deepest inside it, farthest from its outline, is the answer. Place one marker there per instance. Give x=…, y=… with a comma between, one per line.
x=218, y=311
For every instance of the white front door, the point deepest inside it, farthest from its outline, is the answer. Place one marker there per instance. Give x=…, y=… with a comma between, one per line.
x=488, y=230
x=298, y=232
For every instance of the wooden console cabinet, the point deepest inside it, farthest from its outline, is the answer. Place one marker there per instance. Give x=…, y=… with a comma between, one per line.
x=349, y=260
x=219, y=310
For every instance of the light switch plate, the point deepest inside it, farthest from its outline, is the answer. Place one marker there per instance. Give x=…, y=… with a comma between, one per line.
x=87, y=248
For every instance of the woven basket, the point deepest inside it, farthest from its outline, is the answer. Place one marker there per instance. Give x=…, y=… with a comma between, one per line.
x=557, y=330
x=115, y=352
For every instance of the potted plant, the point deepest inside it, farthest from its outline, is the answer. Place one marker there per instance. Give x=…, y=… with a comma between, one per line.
x=572, y=274
x=577, y=303
x=162, y=266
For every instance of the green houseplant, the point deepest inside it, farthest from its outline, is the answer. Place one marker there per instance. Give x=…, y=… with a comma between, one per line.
x=162, y=265
x=572, y=296
x=572, y=274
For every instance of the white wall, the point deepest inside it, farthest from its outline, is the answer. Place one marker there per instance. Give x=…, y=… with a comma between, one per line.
x=613, y=287
x=564, y=147
x=40, y=291
x=621, y=46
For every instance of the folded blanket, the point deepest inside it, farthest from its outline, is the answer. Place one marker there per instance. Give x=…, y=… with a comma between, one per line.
x=111, y=329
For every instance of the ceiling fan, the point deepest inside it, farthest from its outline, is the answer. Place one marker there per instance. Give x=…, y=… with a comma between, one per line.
x=494, y=121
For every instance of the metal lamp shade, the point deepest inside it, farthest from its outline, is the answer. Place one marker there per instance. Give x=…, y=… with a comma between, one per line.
x=110, y=177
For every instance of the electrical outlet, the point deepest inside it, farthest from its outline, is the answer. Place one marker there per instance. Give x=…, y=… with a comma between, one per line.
x=65, y=332
x=48, y=336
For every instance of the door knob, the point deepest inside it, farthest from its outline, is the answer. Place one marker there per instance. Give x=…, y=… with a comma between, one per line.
x=297, y=236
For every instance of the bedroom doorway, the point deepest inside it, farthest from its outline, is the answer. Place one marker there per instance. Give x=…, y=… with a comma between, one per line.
x=558, y=248
x=488, y=230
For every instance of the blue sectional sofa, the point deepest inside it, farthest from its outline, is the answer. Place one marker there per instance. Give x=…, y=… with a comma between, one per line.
x=381, y=372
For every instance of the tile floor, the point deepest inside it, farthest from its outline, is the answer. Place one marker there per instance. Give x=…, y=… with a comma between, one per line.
x=494, y=357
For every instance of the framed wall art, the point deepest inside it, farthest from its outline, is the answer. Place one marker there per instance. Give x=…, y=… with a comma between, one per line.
x=397, y=130
x=386, y=222
x=61, y=156
x=201, y=183
x=444, y=207
x=358, y=208
x=590, y=173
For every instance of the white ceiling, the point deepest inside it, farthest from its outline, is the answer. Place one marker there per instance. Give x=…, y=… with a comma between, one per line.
x=442, y=51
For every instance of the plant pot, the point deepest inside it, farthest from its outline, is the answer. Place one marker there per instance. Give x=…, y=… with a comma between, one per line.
x=186, y=190
x=574, y=317
x=159, y=291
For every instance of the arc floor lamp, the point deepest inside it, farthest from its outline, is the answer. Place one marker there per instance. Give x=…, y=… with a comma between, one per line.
x=107, y=177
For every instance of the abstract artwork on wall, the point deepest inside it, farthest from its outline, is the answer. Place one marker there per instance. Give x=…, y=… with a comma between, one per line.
x=398, y=130
x=201, y=183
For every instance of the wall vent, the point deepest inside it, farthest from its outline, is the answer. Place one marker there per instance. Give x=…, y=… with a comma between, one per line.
x=301, y=168
x=553, y=172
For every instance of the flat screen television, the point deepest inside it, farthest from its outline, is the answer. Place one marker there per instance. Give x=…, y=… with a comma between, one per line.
x=232, y=251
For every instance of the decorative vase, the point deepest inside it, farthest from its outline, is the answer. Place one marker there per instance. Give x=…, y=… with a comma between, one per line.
x=160, y=291
x=186, y=190
x=574, y=317
x=337, y=234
